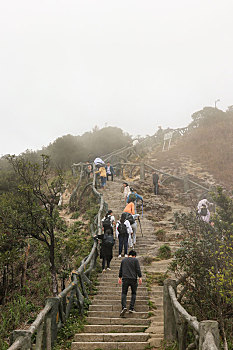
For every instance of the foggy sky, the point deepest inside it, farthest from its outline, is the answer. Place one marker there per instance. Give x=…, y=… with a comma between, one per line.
x=68, y=65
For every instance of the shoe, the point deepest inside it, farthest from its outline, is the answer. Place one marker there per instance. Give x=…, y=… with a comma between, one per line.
x=123, y=311
x=103, y=270
x=132, y=311
x=126, y=255
x=108, y=268
x=131, y=246
x=119, y=256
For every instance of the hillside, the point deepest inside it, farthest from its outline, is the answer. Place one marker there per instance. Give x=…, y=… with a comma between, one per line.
x=205, y=148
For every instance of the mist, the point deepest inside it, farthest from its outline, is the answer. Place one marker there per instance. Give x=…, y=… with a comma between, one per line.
x=67, y=66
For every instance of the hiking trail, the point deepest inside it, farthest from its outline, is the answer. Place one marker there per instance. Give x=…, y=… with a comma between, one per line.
x=105, y=329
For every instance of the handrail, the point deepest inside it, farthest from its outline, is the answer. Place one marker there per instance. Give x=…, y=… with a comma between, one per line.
x=46, y=324
x=192, y=321
x=176, y=319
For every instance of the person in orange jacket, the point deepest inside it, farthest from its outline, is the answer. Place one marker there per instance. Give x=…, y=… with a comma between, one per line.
x=130, y=208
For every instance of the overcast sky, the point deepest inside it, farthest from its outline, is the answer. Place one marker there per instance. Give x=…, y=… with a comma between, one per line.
x=68, y=65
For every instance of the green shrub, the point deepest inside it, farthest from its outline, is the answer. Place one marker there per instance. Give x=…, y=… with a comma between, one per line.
x=165, y=252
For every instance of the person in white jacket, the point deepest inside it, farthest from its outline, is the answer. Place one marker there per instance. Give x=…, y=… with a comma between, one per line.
x=123, y=230
x=126, y=191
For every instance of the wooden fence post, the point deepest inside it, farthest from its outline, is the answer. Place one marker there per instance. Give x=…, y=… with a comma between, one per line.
x=142, y=171
x=209, y=335
x=51, y=320
x=22, y=333
x=170, y=331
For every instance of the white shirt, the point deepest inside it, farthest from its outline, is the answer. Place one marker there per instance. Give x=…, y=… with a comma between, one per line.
x=126, y=192
x=128, y=226
x=98, y=161
x=203, y=202
x=108, y=170
x=112, y=219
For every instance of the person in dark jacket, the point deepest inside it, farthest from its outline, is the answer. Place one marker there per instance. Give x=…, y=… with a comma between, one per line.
x=106, y=249
x=128, y=274
x=156, y=183
x=109, y=171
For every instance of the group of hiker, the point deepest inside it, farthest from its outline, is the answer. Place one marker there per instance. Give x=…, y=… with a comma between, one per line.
x=126, y=231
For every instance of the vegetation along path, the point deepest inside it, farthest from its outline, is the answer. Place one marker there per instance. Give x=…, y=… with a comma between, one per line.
x=105, y=328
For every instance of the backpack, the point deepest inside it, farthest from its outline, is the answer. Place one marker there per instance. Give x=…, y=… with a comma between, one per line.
x=203, y=211
x=108, y=240
x=122, y=229
x=132, y=197
x=130, y=218
x=107, y=222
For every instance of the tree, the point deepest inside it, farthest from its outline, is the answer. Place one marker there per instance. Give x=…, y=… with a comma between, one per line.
x=31, y=211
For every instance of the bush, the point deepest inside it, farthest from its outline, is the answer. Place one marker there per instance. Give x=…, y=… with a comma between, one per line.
x=165, y=252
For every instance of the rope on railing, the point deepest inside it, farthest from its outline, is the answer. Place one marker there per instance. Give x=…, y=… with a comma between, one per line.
x=57, y=309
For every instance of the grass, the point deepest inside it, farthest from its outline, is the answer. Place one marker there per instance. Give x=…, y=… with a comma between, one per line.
x=164, y=252
x=155, y=278
x=160, y=234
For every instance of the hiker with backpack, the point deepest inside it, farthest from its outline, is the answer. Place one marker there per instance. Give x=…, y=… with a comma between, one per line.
x=123, y=230
x=134, y=197
x=204, y=213
x=203, y=201
x=130, y=208
x=108, y=221
x=106, y=247
x=132, y=220
x=202, y=209
x=103, y=176
x=128, y=274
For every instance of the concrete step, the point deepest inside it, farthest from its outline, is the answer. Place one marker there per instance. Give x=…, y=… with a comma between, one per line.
x=117, y=288
x=99, y=301
x=111, y=337
x=115, y=314
x=108, y=345
x=114, y=328
x=117, y=295
x=118, y=321
x=116, y=307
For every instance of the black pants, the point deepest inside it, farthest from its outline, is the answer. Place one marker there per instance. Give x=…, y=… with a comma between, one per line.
x=126, y=282
x=108, y=259
x=110, y=175
x=156, y=189
x=123, y=240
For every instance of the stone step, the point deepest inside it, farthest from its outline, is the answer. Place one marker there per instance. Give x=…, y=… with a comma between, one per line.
x=116, y=307
x=98, y=301
x=117, y=295
x=114, y=328
x=117, y=288
x=115, y=314
x=111, y=337
x=119, y=321
x=108, y=345
x=156, y=342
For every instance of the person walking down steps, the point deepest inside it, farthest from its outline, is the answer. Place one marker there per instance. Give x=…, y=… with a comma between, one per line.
x=129, y=272
x=109, y=171
x=123, y=230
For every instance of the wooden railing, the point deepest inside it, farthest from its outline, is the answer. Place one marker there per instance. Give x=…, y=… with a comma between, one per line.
x=43, y=332
x=177, y=319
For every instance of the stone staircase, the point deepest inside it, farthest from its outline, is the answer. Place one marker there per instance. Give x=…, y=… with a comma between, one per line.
x=105, y=328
